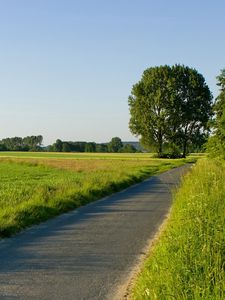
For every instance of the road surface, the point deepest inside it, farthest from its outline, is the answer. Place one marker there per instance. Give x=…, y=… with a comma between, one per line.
x=88, y=253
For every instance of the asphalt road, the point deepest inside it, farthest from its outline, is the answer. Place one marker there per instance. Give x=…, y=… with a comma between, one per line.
x=88, y=253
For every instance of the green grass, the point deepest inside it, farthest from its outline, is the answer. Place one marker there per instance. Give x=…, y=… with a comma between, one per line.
x=76, y=155
x=188, y=259
x=34, y=190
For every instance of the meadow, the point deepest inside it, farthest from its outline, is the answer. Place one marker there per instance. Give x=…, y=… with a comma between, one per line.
x=37, y=186
x=187, y=260
x=76, y=155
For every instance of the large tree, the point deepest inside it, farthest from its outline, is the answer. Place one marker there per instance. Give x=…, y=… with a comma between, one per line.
x=216, y=143
x=58, y=145
x=191, y=108
x=115, y=145
x=170, y=106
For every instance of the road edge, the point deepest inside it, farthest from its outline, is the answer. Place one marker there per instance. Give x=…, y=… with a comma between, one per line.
x=125, y=290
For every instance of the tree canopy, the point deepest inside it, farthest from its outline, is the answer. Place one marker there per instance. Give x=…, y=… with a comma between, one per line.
x=170, y=106
x=216, y=143
x=115, y=145
x=28, y=143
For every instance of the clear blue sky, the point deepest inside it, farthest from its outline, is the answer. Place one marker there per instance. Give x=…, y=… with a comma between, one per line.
x=67, y=66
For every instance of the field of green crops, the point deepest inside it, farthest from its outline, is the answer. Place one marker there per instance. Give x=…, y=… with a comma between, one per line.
x=188, y=259
x=37, y=186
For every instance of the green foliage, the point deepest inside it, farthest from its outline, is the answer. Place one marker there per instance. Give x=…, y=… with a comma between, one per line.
x=192, y=108
x=33, y=143
x=29, y=143
x=101, y=148
x=115, y=145
x=30, y=192
x=66, y=147
x=90, y=147
x=58, y=146
x=170, y=105
x=128, y=148
x=149, y=106
x=188, y=259
x=3, y=147
x=216, y=143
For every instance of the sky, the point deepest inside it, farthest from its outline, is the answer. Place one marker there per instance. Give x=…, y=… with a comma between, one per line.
x=67, y=67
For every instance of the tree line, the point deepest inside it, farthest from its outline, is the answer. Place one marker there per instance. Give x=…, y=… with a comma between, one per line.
x=114, y=146
x=28, y=143
x=34, y=143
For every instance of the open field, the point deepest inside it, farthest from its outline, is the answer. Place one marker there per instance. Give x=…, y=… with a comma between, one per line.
x=37, y=186
x=88, y=155
x=188, y=259
x=77, y=155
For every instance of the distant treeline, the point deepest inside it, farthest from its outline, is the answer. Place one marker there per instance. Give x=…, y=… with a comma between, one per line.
x=29, y=143
x=34, y=143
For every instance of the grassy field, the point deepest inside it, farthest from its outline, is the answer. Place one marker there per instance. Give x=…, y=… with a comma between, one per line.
x=38, y=186
x=188, y=259
x=69, y=155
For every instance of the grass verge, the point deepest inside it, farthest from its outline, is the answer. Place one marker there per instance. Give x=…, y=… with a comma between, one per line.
x=32, y=191
x=188, y=259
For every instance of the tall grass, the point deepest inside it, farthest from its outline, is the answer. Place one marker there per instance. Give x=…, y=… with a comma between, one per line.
x=35, y=190
x=188, y=260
